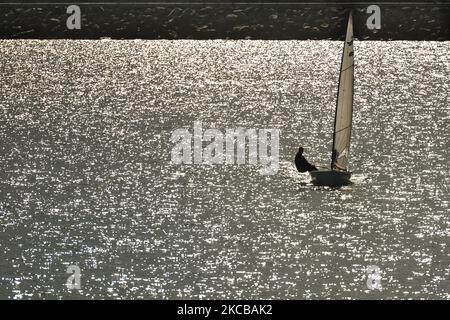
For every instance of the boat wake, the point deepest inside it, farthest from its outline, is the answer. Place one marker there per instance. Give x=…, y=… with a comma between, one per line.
x=359, y=178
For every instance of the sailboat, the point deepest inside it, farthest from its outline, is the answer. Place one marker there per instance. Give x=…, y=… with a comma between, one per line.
x=338, y=174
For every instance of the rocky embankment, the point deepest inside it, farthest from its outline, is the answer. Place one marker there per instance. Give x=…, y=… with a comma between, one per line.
x=230, y=21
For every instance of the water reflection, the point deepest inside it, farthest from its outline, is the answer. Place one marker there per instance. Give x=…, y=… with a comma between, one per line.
x=86, y=177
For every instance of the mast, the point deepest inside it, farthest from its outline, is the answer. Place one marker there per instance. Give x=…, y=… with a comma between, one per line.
x=344, y=104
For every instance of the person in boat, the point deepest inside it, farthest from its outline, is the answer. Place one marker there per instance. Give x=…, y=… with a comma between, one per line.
x=302, y=164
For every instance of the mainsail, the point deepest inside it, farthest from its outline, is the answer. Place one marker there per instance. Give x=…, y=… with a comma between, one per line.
x=344, y=107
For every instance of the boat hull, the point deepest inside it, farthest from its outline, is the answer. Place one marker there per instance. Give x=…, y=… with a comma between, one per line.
x=331, y=178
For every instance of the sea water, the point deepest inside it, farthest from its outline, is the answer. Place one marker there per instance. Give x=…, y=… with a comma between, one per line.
x=86, y=176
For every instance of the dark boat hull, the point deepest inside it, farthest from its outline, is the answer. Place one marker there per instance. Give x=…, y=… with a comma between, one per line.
x=331, y=178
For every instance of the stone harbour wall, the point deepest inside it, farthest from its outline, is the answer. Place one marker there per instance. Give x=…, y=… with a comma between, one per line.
x=225, y=21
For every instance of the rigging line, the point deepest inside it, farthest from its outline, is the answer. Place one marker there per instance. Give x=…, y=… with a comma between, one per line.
x=347, y=68
x=342, y=129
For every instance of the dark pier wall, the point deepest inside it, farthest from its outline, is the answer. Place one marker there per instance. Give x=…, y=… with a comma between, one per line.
x=427, y=20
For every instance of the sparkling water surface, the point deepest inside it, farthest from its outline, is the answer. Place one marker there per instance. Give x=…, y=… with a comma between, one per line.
x=86, y=177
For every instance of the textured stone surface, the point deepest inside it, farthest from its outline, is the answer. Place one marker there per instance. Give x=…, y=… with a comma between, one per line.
x=222, y=21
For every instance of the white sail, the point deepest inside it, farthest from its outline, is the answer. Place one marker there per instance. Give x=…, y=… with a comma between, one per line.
x=344, y=107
